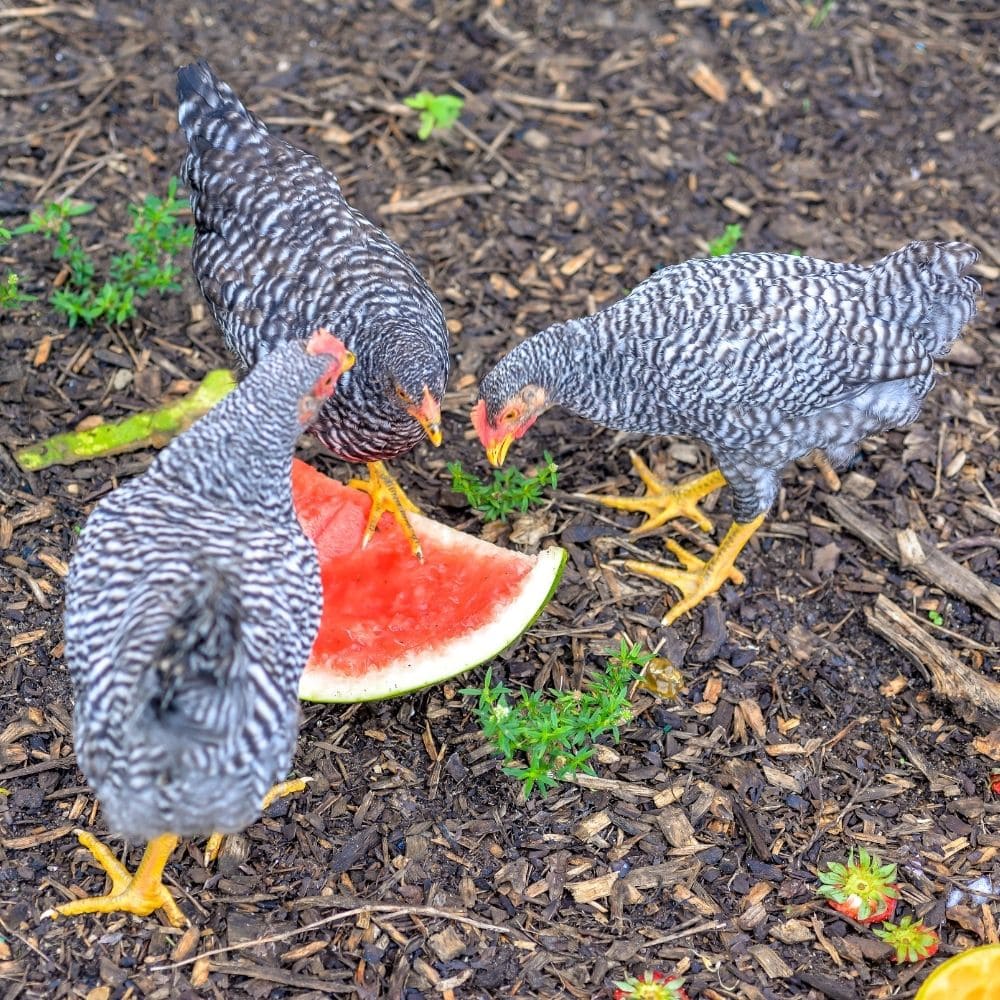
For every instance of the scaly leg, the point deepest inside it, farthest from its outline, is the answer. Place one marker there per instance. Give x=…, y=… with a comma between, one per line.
x=279, y=791
x=698, y=579
x=662, y=503
x=387, y=495
x=140, y=894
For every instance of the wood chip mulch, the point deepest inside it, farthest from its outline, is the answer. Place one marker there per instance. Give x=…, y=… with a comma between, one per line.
x=845, y=696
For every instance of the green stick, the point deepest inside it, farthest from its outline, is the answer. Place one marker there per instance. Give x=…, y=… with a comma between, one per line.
x=150, y=429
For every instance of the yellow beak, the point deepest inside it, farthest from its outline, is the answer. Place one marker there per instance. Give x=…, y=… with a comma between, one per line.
x=348, y=362
x=497, y=452
x=433, y=432
x=428, y=415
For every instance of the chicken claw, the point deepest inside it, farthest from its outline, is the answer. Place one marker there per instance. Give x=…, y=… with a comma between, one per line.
x=661, y=503
x=699, y=578
x=279, y=791
x=388, y=496
x=140, y=894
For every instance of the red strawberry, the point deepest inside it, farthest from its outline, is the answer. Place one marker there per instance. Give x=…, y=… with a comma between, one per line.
x=652, y=985
x=912, y=939
x=864, y=890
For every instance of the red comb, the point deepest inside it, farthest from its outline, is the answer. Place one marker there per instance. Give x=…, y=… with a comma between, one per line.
x=324, y=342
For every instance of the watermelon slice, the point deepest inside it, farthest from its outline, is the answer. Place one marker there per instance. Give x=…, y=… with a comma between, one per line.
x=392, y=624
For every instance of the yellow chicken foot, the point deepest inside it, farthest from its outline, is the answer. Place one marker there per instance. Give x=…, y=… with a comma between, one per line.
x=827, y=471
x=698, y=579
x=279, y=791
x=387, y=495
x=662, y=503
x=140, y=894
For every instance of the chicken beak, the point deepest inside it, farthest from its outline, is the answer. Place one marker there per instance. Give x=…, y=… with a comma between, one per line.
x=428, y=415
x=348, y=362
x=497, y=451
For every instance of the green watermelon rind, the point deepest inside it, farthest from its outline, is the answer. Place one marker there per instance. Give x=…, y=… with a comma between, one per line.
x=408, y=674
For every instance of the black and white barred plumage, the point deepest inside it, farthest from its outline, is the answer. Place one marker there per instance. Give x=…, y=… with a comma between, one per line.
x=192, y=603
x=278, y=252
x=764, y=357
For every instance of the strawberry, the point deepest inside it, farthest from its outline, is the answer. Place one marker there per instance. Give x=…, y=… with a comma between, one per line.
x=912, y=939
x=864, y=890
x=995, y=781
x=652, y=986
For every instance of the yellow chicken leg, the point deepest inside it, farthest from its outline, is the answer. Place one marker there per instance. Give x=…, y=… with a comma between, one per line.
x=140, y=894
x=388, y=495
x=661, y=503
x=698, y=579
x=279, y=791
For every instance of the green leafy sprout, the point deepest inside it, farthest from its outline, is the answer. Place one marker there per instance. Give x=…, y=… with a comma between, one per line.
x=822, y=12
x=726, y=243
x=510, y=491
x=10, y=293
x=436, y=110
x=545, y=737
x=935, y=618
x=154, y=241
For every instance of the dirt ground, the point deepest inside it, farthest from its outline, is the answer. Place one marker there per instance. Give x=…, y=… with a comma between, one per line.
x=599, y=141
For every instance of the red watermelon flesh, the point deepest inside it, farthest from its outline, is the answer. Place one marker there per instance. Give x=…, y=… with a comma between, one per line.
x=392, y=624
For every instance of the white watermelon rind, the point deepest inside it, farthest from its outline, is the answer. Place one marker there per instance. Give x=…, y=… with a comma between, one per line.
x=414, y=672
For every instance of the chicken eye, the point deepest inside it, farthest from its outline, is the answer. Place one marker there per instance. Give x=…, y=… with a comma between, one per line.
x=401, y=393
x=512, y=415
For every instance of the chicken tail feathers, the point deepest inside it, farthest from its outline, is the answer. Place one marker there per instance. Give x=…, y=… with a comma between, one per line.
x=924, y=288
x=210, y=113
x=195, y=669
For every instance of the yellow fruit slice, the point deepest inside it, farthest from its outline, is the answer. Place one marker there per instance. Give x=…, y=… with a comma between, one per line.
x=972, y=975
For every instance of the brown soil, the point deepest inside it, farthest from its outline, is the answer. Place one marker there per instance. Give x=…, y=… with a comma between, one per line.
x=598, y=141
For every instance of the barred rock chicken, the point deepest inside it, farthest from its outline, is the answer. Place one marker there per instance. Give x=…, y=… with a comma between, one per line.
x=764, y=357
x=192, y=603
x=278, y=252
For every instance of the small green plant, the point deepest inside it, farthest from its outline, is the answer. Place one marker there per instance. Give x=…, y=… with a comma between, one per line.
x=544, y=737
x=155, y=239
x=733, y=158
x=935, y=618
x=10, y=293
x=436, y=110
x=509, y=491
x=725, y=243
x=821, y=13
x=51, y=219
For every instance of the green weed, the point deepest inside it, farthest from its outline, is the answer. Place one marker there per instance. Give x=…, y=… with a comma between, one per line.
x=821, y=14
x=155, y=239
x=436, y=110
x=725, y=243
x=10, y=295
x=510, y=491
x=545, y=737
x=935, y=618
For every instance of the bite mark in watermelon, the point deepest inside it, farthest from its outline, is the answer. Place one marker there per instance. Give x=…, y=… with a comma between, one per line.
x=392, y=624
